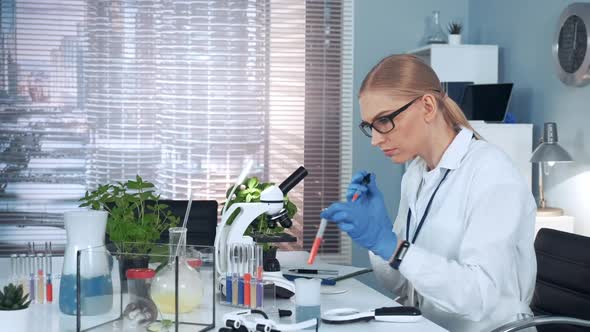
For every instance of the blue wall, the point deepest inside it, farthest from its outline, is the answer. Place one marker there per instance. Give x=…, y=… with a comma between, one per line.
x=524, y=31
x=381, y=28
x=539, y=95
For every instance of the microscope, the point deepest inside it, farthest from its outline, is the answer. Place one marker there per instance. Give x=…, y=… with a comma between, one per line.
x=271, y=203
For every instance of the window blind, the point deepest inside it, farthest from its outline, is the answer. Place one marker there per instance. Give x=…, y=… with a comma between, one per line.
x=180, y=92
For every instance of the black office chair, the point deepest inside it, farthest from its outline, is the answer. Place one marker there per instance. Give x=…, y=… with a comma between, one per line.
x=562, y=293
x=202, y=221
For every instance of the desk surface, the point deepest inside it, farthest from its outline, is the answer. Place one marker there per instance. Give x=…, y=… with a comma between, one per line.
x=46, y=317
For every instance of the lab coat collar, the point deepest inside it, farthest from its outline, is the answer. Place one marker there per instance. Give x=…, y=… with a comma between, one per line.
x=451, y=159
x=457, y=150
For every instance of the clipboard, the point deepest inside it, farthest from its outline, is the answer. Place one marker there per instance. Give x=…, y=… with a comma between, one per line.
x=342, y=272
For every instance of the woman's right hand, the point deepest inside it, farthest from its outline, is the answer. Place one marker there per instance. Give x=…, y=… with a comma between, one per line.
x=369, y=195
x=366, y=219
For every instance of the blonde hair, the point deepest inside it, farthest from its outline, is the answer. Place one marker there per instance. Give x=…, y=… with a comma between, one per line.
x=408, y=76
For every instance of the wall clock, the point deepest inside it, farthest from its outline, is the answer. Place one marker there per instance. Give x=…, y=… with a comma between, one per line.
x=570, y=45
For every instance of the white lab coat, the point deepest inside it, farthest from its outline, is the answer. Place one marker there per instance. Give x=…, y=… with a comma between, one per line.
x=473, y=264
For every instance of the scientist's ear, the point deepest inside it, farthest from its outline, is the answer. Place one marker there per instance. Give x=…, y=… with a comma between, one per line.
x=430, y=107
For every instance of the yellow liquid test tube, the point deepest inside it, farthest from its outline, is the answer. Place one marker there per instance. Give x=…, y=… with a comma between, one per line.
x=253, y=303
x=40, y=279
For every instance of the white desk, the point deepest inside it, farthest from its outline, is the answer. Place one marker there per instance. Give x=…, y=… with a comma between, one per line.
x=47, y=318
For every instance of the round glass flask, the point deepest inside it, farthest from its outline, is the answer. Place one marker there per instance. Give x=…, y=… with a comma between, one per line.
x=190, y=286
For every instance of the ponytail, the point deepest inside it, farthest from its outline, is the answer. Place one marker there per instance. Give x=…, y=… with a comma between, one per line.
x=455, y=117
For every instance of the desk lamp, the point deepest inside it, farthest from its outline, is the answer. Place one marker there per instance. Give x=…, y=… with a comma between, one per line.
x=548, y=152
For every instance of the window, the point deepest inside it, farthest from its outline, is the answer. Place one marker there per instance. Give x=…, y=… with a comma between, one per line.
x=180, y=92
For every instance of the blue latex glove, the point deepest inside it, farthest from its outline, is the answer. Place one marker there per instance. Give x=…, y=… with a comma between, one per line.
x=365, y=220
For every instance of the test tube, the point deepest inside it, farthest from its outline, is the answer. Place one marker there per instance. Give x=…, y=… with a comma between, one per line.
x=228, y=275
x=48, y=266
x=31, y=273
x=317, y=242
x=248, y=274
x=13, y=271
x=253, y=282
x=241, y=272
x=235, y=276
x=259, y=277
x=22, y=272
x=40, y=278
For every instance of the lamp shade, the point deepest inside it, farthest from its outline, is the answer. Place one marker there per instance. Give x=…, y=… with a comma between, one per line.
x=550, y=150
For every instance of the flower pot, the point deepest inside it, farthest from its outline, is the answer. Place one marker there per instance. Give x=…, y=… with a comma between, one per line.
x=454, y=39
x=15, y=320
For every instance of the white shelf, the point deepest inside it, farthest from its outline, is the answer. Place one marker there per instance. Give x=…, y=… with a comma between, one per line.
x=426, y=50
x=515, y=139
x=461, y=63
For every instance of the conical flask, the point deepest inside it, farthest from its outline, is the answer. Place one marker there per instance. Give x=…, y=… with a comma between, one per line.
x=435, y=33
x=190, y=286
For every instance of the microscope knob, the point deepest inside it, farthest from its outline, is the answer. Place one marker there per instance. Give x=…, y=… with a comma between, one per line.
x=271, y=265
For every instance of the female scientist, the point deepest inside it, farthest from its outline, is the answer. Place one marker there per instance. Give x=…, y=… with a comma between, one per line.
x=463, y=236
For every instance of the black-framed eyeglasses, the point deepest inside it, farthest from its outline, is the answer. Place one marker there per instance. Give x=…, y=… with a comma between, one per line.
x=384, y=123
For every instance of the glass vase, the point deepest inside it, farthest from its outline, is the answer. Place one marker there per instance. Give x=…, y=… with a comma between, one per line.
x=84, y=230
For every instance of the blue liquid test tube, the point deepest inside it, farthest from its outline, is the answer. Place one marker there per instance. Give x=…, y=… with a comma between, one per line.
x=228, y=276
x=241, y=256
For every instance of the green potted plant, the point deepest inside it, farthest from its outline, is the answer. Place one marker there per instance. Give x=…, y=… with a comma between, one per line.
x=455, y=29
x=136, y=219
x=14, y=307
x=249, y=191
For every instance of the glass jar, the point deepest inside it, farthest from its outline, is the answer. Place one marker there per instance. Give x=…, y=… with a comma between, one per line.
x=141, y=310
x=190, y=286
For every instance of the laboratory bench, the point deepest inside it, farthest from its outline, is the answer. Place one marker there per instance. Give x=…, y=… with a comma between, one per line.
x=349, y=293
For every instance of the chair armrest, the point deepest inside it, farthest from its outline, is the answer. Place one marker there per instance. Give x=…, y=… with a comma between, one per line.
x=541, y=320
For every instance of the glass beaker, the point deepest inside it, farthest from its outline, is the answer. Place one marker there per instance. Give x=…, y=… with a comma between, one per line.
x=307, y=299
x=190, y=286
x=435, y=33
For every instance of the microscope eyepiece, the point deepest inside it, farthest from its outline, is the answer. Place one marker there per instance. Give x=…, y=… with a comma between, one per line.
x=293, y=180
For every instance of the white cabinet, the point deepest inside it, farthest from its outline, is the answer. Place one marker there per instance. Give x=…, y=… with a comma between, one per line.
x=462, y=63
x=516, y=139
x=560, y=223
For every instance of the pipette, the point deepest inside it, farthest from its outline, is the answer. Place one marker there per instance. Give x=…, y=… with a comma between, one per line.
x=365, y=181
x=182, y=239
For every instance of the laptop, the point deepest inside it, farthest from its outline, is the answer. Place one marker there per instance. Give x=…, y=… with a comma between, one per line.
x=486, y=102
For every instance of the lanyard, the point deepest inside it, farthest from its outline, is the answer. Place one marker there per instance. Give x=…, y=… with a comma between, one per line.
x=425, y=212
